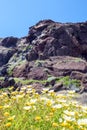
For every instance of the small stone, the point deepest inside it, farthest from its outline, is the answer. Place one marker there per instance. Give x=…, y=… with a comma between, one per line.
x=57, y=87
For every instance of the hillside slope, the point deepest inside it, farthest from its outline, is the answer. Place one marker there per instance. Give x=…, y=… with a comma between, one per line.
x=50, y=49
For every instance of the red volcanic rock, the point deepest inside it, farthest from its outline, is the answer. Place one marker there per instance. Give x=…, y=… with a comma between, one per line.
x=59, y=39
x=54, y=66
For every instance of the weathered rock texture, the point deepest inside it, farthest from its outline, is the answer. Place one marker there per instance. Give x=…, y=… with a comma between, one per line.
x=57, y=39
x=55, y=66
x=51, y=48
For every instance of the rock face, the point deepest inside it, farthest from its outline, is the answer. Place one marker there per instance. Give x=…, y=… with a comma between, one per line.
x=57, y=39
x=5, y=55
x=54, y=66
x=50, y=49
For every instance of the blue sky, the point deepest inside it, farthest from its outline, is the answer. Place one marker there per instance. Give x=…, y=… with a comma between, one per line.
x=16, y=16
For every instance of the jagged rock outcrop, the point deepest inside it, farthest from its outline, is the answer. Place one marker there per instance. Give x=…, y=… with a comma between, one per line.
x=9, y=42
x=12, y=53
x=51, y=48
x=50, y=38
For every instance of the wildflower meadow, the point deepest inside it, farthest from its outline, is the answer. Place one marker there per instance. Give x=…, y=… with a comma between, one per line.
x=28, y=110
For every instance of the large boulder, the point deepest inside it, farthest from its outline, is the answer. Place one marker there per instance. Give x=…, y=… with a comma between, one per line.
x=3, y=70
x=58, y=39
x=7, y=82
x=9, y=42
x=5, y=55
x=32, y=55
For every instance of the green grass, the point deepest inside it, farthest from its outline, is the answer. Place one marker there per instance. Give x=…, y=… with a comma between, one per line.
x=28, y=81
x=65, y=80
x=47, y=111
x=68, y=82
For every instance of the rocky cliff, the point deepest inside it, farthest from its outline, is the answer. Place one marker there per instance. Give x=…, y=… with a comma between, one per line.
x=49, y=49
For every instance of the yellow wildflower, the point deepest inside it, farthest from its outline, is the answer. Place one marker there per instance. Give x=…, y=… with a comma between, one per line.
x=65, y=124
x=6, y=114
x=11, y=118
x=55, y=124
x=29, y=86
x=8, y=124
x=13, y=97
x=1, y=107
x=51, y=114
x=49, y=103
x=37, y=118
x=53, y=109
x=51, y=93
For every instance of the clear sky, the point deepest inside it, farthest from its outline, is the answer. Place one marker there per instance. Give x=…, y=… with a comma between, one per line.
x=16, y=16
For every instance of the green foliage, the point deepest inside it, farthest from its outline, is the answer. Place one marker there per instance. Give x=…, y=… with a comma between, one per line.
x=68, y=82
x=10, y=70
x=28, y=81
